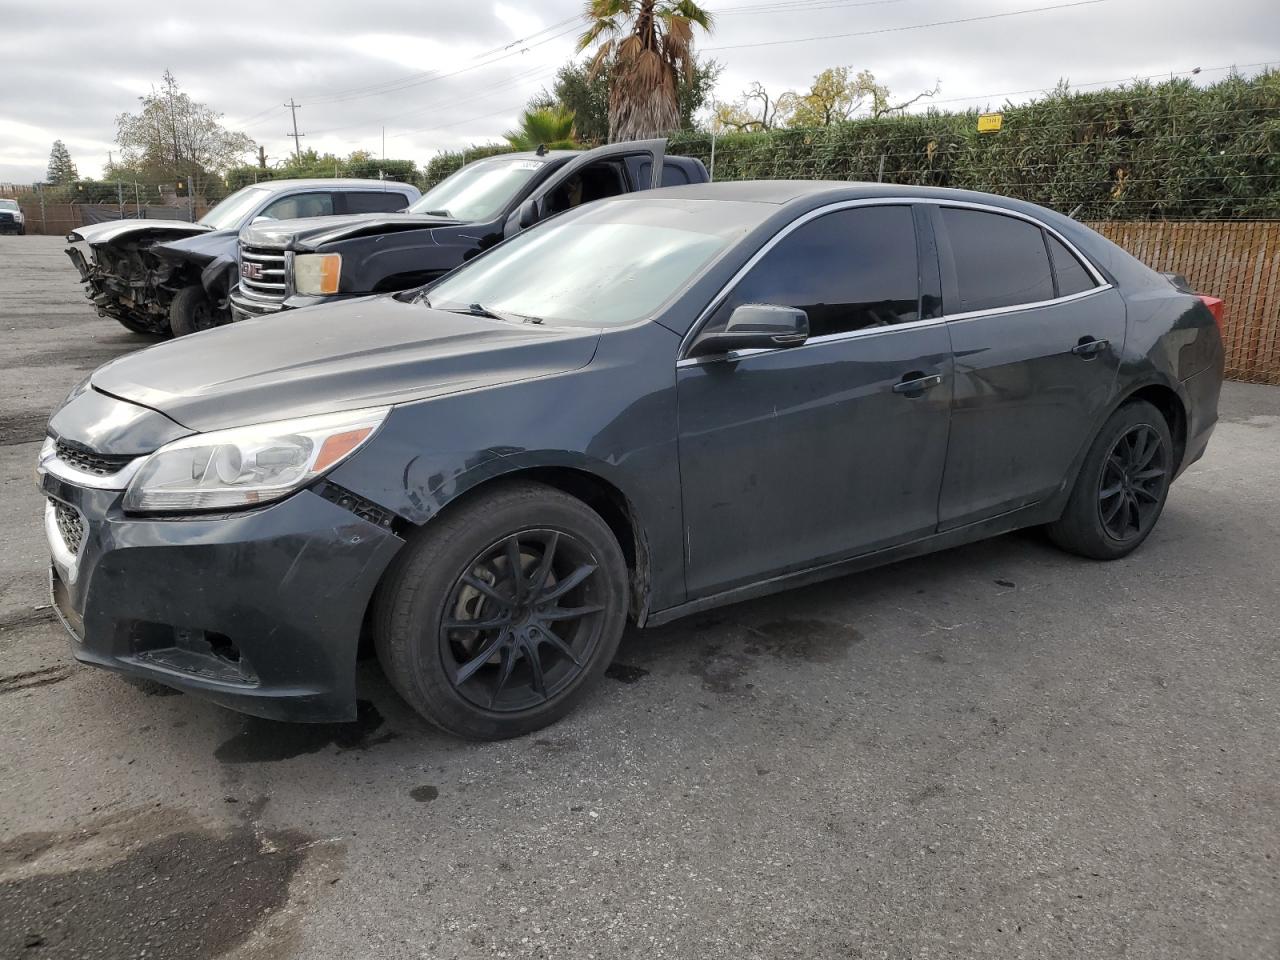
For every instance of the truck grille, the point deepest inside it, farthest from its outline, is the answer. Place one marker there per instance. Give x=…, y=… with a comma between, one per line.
x=70, y=526
x=262, y=273
x=100, y=465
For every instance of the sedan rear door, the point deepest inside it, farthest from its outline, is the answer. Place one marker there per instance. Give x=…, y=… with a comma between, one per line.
x=1038, y=335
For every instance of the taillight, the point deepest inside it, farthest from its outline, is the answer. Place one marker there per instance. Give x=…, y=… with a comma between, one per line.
x=1215, y=307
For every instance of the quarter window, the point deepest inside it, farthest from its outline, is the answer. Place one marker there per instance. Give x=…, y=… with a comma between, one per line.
x=1071, y=274
x=848, y=270
x=1000, y=261
x=382, y=201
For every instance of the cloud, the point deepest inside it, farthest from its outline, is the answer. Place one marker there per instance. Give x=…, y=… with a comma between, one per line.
x=443, y=74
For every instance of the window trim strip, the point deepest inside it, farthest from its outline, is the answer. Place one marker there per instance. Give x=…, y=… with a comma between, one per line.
x=684, y=361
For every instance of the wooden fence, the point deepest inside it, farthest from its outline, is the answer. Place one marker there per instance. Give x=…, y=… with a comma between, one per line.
x=1236, y=260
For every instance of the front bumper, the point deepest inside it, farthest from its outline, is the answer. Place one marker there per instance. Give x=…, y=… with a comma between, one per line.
x=246, y=306
x=260, y=611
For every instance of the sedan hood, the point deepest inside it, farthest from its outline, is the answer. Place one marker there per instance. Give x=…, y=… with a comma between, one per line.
x=312, y=232
x=99, y=233
x=340, y=356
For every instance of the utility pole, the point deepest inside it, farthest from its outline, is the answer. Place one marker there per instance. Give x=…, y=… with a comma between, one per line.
x=384, y=144
x=120, y=197
x=297, y=144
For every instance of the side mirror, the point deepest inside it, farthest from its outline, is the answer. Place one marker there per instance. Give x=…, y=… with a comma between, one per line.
x=756, y=326
x=261, y=219
x=528, y=214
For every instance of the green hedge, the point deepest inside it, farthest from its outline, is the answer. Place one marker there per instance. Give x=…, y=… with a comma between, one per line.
x=1170, y=150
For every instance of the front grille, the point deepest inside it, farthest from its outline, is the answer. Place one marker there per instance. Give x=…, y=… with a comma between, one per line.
x=6, y=217
x=99, y=464
x=269, y=269
x=70, y=526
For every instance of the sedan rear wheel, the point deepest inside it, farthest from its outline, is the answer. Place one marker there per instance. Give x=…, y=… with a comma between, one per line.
x=498, y=618
x=1121, y=489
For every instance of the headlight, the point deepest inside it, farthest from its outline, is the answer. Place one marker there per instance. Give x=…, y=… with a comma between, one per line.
x=316, y=274
x=246, y=466
x=20, y=216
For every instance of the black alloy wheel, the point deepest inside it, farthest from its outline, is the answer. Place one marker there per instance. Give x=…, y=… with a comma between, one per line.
x=1120, y=490
x=1132, y=486
x=522, y=620
x=500, y=614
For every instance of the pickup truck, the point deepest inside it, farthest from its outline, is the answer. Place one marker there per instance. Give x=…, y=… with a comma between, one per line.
x=306, y=262
x=162, y=277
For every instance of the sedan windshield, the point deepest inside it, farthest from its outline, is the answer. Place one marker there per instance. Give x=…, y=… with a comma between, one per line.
x=480, y=190
x=230, y=212
x=611, y=263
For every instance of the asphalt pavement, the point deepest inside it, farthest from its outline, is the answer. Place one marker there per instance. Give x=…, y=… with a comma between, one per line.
x=996, y=751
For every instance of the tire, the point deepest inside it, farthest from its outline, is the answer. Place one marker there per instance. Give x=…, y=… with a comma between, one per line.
x=191, y=311
x=506, y=679
x=133, y=326
x=1122, y=486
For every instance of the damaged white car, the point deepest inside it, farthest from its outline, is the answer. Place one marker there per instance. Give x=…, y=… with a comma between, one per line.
x=169, y=278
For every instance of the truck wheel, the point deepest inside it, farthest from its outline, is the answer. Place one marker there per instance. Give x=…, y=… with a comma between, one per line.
x=191, y=310
x=498, y=617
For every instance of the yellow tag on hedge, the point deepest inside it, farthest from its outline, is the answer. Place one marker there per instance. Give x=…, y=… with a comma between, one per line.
x=990, y=122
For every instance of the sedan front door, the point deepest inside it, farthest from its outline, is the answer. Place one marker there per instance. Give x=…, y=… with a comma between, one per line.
x=794, y=457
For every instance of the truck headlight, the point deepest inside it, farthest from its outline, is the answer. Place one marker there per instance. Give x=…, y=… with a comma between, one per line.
x=316, y=274
x=247, y=466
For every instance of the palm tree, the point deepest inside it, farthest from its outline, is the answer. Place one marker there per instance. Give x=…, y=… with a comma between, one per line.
x=649, y=45
x=551, y=127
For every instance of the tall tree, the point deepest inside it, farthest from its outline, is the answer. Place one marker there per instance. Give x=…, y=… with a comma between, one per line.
x=62, y=169
x=648, y=45
x=576, y=89
x=176, y=137
x=551, y=127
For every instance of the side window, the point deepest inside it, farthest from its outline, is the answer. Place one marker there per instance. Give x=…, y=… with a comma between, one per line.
x=595, y=181
x=673, y=176
x=848, y=270
x=1071, y=274
x=1000, y=261
x=370, y=201
x=299, y=205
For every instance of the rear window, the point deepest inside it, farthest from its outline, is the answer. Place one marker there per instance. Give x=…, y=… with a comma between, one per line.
x=371, y=201
x=1071, y=273
x=1000, y=261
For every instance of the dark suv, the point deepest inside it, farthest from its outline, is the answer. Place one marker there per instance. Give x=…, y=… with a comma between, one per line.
x=307, y=262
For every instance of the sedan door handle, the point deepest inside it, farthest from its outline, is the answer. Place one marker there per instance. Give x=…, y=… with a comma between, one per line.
x=1089, y=347
x=914, y=385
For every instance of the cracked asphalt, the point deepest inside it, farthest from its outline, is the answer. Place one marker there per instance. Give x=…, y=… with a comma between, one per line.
x=997, y=751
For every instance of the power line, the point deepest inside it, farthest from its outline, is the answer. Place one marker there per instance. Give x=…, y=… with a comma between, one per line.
x=913, y=26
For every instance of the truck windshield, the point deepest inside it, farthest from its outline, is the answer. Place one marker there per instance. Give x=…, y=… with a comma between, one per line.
x=228, y=214
x=612, y=263
x=480, y=190
x=8, y=204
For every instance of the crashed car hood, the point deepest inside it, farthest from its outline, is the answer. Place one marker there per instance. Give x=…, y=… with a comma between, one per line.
x=312, y=232
x=340, y=356
x=201, y=248
x=99, y=233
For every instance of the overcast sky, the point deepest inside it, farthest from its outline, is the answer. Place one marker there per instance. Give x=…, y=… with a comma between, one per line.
x=440, y=75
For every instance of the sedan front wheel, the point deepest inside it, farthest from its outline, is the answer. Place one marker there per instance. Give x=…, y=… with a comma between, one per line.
x=500, y=615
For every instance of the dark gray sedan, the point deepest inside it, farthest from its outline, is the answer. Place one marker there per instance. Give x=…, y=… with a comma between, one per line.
x=641, y=409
